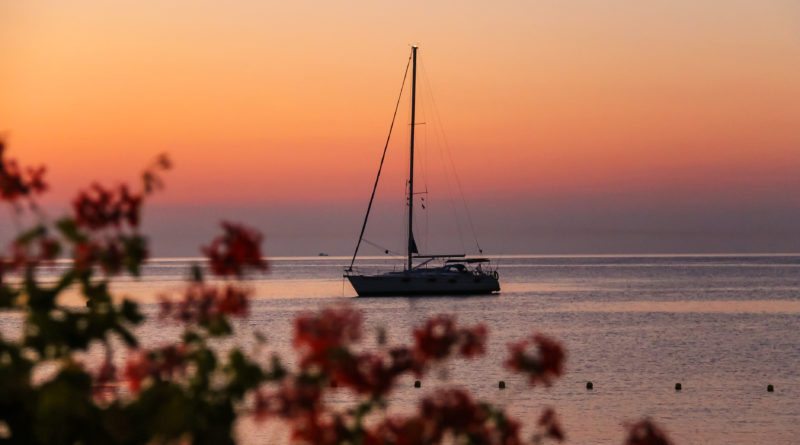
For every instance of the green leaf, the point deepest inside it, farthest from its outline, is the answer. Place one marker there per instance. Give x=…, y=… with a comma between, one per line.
x=196, y=273
x=127, y=337
x=65, y=281
x=39, y=299
x=69, y=230
x=135, y=253
x=277, y=371
x=219, y=327
x=244, y=374
x=190, y=337
x=130, y=312
x=8, y=296
x=65, y=412
x=31, y=234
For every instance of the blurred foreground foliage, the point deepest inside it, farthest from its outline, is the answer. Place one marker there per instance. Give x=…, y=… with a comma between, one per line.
x=189, y=391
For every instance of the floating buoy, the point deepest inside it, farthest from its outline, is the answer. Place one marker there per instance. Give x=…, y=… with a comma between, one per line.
x=770, y=388
x=678, y=387
x=501, y=385
x=417, y=384
x=589, y=386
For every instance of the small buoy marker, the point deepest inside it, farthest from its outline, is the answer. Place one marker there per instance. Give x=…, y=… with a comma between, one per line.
x=770, y=388
x=589, y=386
x=501, y=385
x=678, y=387
x=417, y=384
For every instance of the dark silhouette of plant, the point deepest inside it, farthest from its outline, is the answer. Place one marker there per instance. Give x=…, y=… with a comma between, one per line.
x=190, y=392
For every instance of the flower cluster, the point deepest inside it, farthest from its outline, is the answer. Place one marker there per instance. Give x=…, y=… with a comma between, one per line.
x=548, y=422
x=456, y=411
x=439, y=335
x=16, y=182
x=543, y=365
x=104, y=380
x=98, y=208
x=28, y=252
x=159, y=364
x=317, y=335
x=450, y=411
x=111, y=253
x=238, y=247
x=324, y=342
x=298, y=400
x=204, y=304
x=373, y=373
x=646, y=432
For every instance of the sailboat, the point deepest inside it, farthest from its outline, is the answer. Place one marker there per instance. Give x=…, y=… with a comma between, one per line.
x=458, y=275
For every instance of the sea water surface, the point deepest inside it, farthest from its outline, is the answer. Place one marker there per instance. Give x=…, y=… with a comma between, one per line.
x=724, y=326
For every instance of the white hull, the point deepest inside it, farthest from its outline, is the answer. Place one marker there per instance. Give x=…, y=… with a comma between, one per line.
x=419, y=283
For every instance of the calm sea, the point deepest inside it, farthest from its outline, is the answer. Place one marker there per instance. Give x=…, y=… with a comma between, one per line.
x=723, y=326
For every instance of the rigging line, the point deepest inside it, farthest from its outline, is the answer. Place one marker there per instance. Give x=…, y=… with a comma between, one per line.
x=380, y=167
x=452, y=164
x=441, y=141
x=381, y=247
x=422, y=148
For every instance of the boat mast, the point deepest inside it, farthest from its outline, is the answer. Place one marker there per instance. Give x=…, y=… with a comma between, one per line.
x=411, y=162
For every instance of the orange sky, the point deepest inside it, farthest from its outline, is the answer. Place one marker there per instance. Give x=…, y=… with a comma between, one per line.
x=264, y=103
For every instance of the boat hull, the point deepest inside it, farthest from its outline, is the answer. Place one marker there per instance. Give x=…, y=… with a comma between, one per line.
x=400, y=284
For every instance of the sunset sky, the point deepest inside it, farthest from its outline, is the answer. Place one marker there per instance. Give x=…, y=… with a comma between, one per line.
x=575, y=127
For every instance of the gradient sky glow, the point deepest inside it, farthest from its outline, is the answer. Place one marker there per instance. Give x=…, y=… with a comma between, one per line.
x=576, y=127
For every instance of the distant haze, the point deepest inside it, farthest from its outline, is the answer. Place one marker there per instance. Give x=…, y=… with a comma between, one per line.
x=535, y=227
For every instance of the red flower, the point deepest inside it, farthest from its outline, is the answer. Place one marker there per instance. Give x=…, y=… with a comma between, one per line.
x=435, y=340
x=111, y=257
x=110, y=254
x=398, y=431
x=300, y=401
x=99, y=208
x=369, y=373
x=36, y=179
x=323, y=342
x=233, y=302
x=204, y=304
x=30, y=250
x=473, y=341
x=317, y=335
x=549, y=423
x=236, y=249
x=646, y=432
x=103, y=387
x=453, y=410
x=48, y=249
x=546, y=364
x=158, y=364
x=85, y=255
x=436, y=337
x=137, y=369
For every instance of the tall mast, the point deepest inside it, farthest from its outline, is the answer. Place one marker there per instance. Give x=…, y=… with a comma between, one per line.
x=411, y=162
